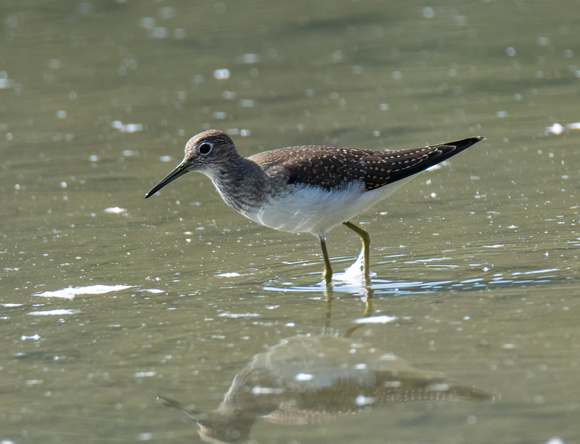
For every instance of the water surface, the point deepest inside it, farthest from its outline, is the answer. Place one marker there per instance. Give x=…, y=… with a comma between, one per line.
x=108, y=300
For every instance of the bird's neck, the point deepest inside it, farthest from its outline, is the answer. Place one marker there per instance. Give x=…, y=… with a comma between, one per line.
x=241, y=184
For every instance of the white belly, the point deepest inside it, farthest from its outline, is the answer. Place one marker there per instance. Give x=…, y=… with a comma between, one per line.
x=313, y=210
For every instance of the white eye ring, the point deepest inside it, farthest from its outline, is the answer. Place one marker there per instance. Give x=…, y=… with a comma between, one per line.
x=205, y=148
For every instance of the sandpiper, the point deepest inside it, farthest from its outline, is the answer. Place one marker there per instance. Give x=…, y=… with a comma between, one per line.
x=311, y=188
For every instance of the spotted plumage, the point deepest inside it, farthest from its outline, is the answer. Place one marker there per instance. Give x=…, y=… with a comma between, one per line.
x=310, y=188
x=329, y=167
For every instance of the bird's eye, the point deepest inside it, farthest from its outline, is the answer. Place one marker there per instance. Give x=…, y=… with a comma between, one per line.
x=205, y=148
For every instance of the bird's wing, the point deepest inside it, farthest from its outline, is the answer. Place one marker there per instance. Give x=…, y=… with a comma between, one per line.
x=331, y=168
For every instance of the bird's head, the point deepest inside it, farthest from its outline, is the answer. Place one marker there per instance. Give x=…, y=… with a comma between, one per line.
x=207, y=152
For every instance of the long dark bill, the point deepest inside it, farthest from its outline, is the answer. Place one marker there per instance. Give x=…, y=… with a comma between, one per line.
x=178, y=171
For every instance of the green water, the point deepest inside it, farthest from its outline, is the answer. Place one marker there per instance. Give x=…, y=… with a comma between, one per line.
x=477, y=261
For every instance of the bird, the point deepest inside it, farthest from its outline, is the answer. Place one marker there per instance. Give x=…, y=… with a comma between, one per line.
x=307, y=188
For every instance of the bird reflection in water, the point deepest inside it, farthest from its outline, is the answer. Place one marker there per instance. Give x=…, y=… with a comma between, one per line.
x=307, y=379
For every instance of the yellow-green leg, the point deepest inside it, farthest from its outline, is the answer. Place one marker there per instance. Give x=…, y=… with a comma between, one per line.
x=327, y=275
x=366, y=242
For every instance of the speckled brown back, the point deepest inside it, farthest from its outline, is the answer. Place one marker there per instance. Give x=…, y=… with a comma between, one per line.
x=330, y=167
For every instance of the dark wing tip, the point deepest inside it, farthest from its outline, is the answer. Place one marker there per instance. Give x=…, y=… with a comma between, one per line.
x=467, y=142
x=419, y=159
x=460, y=145
x=477, y=138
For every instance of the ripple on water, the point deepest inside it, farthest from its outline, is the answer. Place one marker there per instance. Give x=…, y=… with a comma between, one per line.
x=345, y=283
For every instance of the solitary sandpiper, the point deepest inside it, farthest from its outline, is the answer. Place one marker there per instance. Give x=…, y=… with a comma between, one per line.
x=311, y=188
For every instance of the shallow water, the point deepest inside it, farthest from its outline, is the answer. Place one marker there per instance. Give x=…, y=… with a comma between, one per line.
x=108, y=300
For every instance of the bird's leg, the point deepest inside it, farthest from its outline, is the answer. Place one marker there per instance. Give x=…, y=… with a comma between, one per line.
x=327, y=275
x=366, y=242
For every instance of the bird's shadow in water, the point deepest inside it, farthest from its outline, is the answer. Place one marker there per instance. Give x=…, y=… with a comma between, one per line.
x=309, y=379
